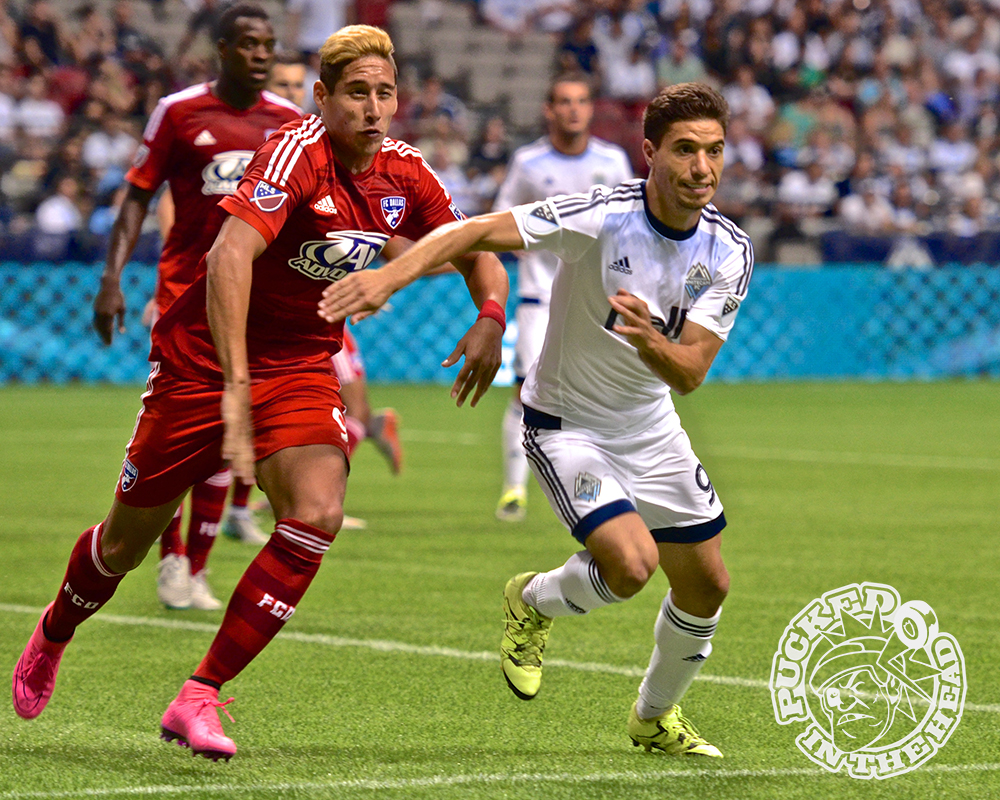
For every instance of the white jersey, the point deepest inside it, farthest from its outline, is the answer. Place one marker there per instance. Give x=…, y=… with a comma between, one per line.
x=537, y=171
x=607, y=239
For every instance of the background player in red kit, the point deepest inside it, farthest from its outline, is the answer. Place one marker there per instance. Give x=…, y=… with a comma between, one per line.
x=318, y=201
x=199, y=140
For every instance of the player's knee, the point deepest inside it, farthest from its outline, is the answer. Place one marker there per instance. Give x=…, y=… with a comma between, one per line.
x=631, y=573
x=121, y=555
x=325, y=516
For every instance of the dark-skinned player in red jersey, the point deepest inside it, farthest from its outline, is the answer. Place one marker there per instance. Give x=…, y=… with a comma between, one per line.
x=319, y=200
x=199, y=140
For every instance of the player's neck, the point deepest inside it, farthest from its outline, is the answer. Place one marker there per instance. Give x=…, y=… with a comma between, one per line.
x=571, y=145
x=352, y=161
x=232, y=94
x=670, y=214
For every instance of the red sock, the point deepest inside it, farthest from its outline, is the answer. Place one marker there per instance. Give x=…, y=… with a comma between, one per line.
x=241, y=494
x=265, y=598
x=356, y=432
x=88, y=585
x=171, y=542
x=208, y=501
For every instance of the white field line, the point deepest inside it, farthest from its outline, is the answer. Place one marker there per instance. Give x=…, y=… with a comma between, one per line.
x=403, y=784
x=383, y=646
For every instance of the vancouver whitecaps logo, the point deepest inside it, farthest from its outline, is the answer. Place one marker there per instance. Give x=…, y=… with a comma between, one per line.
x=342, y=253
x=223, y=172
x=878, y=685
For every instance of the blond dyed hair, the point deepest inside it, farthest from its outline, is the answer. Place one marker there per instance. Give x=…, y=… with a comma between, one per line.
x=348, y=45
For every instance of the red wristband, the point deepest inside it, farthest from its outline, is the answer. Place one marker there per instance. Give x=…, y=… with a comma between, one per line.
x=491, y=310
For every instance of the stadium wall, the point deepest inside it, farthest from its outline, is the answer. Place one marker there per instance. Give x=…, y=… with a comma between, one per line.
x=843, y=322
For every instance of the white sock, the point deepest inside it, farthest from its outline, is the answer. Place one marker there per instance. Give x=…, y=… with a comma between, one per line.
x=515, y=465
x=574, y=588
x=683, y=642
x=239, y=512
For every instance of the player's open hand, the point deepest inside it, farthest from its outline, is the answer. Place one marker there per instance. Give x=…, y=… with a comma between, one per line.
x=481, y=347
x=109, y=305
x=636, y=323
x=357, y=296
x=237, y=437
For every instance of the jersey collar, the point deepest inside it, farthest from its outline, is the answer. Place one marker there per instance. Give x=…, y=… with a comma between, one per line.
x=665, y=230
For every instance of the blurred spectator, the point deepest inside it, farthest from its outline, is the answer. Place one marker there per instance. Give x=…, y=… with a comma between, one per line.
x=60, y=213
x=952, y=153
x=511, y=17
x=578, y=51
x=204, y=16
x=492, y=150
x=442, y=135
x=94, y=37
x=42, y=26
x=432, y=103
x=108, y=151
x=37, y=115
x=867, y=211
x=8, y=107
x=749, y=99
x=631, y=81
x=310, y=22
x=807, y=192
x=288, y=79
x=680, y=65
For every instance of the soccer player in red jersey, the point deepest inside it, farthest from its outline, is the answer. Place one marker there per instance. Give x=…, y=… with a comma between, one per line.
x=319, y=200
x=199, y=140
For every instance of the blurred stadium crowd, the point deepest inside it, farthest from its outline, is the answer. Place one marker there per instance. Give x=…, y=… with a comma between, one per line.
x=864, y=117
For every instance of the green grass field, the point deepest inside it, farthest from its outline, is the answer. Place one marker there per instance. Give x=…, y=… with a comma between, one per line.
x=386, y=682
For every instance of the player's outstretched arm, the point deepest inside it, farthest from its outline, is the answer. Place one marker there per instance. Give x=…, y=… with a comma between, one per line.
x=681, y=365
x=229, y=265
x=109, y=304
x=361, y=294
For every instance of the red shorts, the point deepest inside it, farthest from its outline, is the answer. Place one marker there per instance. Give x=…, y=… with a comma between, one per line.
x=177, y=440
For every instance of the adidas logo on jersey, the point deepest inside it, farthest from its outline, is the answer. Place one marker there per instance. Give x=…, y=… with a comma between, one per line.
x=204, y=139
x=620, y=265
x=325, y=206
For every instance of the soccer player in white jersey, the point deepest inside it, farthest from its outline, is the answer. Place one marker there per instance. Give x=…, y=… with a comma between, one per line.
x=652, y=277
x=566, y=160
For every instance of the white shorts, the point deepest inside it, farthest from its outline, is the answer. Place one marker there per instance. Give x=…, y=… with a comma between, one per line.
x=532, y=318
x=347, y=363
x=590, y=479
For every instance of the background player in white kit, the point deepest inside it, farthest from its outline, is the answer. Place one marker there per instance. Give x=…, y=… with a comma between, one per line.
x=651, y=281
x=567, y=160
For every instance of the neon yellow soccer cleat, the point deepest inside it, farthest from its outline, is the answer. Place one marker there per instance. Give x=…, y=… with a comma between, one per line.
x=670, y=732
x=513, y=505
x=524, y=637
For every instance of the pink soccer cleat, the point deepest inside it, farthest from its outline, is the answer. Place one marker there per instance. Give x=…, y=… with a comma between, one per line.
x=36, y=670
x=384, y=433
x=192, y=721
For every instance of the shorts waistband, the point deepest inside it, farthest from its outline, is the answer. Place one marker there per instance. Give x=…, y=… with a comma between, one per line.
x=534, y=418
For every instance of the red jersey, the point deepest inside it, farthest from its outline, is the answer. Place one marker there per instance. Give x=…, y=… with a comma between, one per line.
x=201, y=146
x=321, y=223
